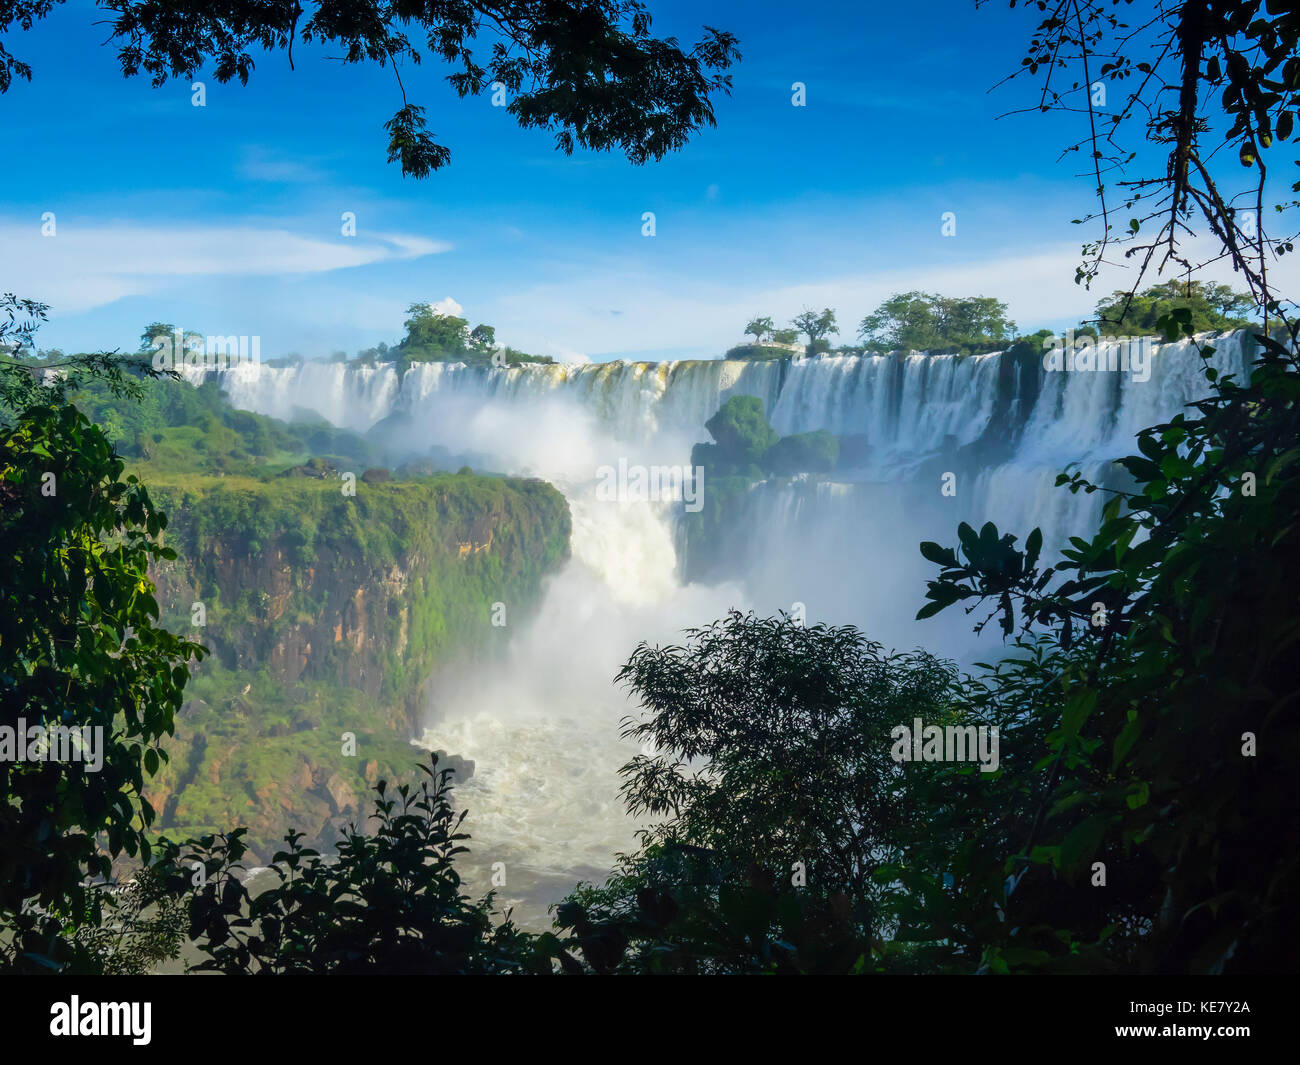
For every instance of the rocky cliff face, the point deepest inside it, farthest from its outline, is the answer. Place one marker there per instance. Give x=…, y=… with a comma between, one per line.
x=326, y=614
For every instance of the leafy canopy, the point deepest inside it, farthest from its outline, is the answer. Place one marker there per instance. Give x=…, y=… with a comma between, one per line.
x=1212, y=307
x=746, y=446
x=816, y=326
x=390, y=902
x=922, y=321
x=590, y=71
x=1159, y=652
x=742, y=437
x=774, y=797
x=80, y=647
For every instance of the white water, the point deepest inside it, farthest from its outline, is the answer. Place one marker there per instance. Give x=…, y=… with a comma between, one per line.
x=543, y=727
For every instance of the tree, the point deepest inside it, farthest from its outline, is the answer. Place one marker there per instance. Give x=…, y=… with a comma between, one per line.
x=742, y=437
x=921, y=321
x=746, y=446
x=815, y=452
x=784, y=337
x=1158, y=658
x=483, y=339
x=152, y=331
x=1037, y=341
x=758, y=328
x=904, y=322
x=974, y=322
x=389, y=903
x=1212, y=307
x=435, y=337
x=773, y=796
x=80, y=649
x=588, y=71
x=155, y=331
x=1209, y=80
x=432, y=336
x=815, y=325
x=373, y=356
x=142, y=926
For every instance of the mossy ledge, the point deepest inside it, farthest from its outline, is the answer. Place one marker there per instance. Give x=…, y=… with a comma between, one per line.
x=326, y=614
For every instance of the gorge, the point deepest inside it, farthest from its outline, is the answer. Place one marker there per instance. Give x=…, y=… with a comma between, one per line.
x=930, y=440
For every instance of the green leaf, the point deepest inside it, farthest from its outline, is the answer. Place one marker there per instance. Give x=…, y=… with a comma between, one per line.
x=1033, y=547
x=942, y=556
x=1127, y=737
x=1081, y=843
x=1077, y=710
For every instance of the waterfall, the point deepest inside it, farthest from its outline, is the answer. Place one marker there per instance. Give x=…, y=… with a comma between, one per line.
x=1003, y=433
x=905, y=406
x=543, y=729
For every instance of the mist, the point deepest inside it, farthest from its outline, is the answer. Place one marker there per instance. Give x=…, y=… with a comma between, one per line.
x=541, y=721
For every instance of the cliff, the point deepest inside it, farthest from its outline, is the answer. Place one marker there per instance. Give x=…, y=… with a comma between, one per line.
x=326, y=613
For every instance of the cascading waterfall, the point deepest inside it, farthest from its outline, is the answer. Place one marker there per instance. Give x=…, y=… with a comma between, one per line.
x=1089, y=419
x=542, y=727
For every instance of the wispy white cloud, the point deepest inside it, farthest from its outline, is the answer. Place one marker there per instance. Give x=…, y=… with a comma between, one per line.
x=695, y=316
x=262, y=164
x=88, y=265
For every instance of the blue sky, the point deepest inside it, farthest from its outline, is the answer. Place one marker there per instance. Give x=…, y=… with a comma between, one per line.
x=226, y=219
